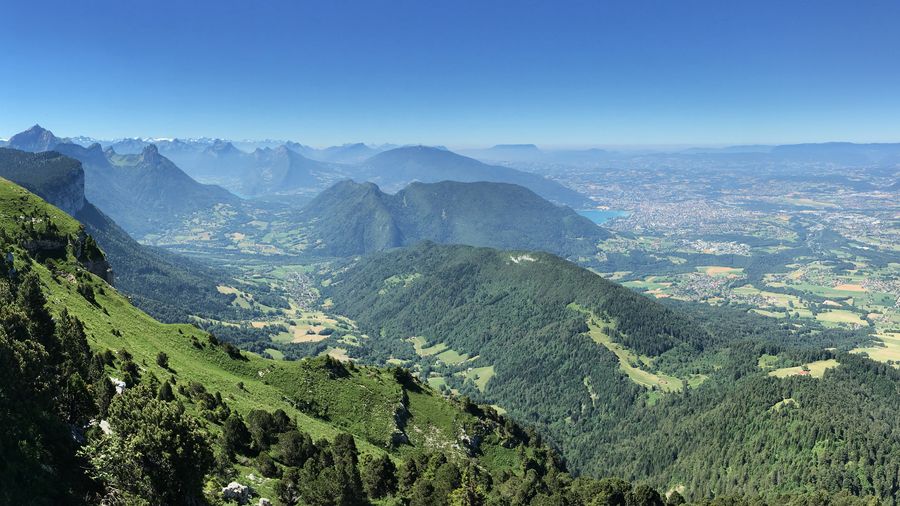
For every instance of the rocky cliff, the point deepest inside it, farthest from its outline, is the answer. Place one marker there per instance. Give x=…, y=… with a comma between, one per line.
x=55, y=178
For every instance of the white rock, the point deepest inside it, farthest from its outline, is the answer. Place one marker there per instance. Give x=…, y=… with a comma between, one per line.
x=236, y=491
x=119, y=384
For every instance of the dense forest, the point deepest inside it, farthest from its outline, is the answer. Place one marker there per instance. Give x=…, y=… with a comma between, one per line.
x=356, y=218
x=737, y=432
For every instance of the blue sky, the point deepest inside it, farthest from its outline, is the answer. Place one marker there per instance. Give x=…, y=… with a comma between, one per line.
x=458, y=73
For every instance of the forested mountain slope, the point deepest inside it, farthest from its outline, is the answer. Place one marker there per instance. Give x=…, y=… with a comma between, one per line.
x=516, y=315
x=182, y=414
x=626, y=386
x=358, y=218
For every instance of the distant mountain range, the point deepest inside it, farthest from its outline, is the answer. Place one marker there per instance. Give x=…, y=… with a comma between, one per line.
x=294, y=169
x=530, y=153
x=355, y=153
x=264, y=171
x=143, y=193
x=358, y=218
x=396, y=168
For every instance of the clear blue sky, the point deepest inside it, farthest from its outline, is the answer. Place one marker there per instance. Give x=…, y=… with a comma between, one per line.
x=456, y=73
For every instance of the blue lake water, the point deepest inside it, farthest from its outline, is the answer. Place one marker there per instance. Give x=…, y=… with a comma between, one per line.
x=601, y=216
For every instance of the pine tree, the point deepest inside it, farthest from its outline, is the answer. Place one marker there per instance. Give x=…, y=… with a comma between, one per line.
x=379, y=476
x=235, y=435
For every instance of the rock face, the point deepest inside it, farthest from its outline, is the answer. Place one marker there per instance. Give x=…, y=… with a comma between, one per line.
x=92, y=258
x=83, y=246
x=69, y=197
x=236, y=492
x=55, y=178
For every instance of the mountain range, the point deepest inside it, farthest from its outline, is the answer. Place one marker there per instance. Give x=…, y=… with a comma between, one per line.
x=143, y=193
x=293, y=168
x=264, y=171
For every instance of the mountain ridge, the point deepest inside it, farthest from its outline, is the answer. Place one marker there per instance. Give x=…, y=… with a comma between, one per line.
x=352, y=218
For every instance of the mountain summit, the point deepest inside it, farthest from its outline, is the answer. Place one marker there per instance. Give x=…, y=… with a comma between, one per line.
x=35, y=139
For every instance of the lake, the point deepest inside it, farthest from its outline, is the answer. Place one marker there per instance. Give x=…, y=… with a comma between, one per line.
x=600, y=216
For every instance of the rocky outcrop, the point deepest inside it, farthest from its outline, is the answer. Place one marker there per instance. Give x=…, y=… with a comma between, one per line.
x=83, y=247
x=401, y=416
x=92, y=258
x=151, y=155
x=55, y=178
x=469, y=438
x=236, y=492
x=68, y=196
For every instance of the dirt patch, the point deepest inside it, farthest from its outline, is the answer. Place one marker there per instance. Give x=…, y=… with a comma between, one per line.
x=339, y=354
x=713, y=270
x=307, y=333
x=850, y=288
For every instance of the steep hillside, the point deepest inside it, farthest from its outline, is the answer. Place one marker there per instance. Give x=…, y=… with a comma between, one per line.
x=398, y=167
x=192, y=414
x=169, y=286
x=54, y=177
x=350, y=219
x=517, y=325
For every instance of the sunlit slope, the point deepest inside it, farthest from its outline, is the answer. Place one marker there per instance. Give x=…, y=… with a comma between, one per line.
x=386, y=410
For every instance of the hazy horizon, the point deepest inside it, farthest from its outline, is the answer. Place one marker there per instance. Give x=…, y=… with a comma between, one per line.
x=542, y=146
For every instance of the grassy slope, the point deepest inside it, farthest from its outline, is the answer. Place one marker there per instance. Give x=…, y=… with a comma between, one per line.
x=17, y=202
x=361, y=402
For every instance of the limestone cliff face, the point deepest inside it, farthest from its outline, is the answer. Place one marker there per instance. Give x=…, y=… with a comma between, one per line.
x=69, y=195
x=82, y=246
x=91, y=257
x=56, y=178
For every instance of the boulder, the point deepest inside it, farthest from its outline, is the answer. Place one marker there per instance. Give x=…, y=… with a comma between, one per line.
x=237, y=492
x=119, y=384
